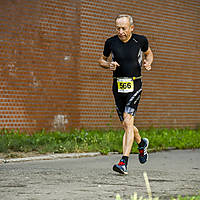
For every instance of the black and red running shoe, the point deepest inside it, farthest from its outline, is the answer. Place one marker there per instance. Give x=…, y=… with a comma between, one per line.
x=143, y=155
x=121, y=167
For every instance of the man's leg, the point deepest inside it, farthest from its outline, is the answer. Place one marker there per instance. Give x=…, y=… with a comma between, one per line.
x=142, y=146
x=128, y=137
x=131, y=134
x=136, y=135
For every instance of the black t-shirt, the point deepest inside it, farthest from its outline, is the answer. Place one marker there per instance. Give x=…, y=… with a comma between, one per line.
x=128, y=55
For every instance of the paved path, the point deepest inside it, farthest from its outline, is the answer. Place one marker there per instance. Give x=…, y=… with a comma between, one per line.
x=170, y=173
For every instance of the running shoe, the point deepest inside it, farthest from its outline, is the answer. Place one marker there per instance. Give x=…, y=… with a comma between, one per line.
x=121, y=167
x=143, y=155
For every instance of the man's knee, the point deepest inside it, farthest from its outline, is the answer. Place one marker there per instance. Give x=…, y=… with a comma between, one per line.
x=128, y=121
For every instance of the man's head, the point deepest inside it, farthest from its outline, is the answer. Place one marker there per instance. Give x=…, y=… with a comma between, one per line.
x=124, y=26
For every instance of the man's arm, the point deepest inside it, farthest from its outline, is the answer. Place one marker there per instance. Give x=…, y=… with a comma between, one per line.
x=107, y=65
x=103, y=62
x=148, y=59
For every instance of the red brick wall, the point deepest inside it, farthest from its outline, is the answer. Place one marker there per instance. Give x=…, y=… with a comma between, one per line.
x=171, y=91
x=50, y=77
x=39, y=59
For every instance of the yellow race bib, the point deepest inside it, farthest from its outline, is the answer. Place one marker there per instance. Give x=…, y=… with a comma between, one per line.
x=125, y=85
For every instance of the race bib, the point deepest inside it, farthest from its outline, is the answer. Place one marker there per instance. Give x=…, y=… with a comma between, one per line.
x=125, y=85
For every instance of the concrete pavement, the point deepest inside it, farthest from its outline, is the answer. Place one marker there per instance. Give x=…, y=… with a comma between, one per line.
x=171, y=173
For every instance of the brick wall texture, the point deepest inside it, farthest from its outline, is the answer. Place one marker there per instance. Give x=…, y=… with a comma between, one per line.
x=50, y=78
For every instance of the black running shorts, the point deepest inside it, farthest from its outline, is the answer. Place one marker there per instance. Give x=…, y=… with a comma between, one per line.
x=127, y=102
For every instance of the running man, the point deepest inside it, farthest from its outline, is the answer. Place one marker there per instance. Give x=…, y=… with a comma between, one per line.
x=126, y=49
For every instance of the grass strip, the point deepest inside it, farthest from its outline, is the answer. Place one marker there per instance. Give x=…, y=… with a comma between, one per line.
x=103, y=141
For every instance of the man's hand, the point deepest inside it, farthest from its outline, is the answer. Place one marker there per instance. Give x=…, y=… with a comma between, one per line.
x=113, y=66
x=147, y=65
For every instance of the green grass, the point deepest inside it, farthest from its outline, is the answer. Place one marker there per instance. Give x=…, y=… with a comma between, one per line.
x=188, y=198
x=103, y=141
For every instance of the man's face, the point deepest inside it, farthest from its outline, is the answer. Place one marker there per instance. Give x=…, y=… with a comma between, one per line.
x=124, y=29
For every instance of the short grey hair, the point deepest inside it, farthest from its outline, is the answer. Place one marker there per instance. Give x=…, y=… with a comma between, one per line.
x=128, y=16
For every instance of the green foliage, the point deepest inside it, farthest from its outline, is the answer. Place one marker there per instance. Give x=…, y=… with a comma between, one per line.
x=103, y=141
x=177, y=138
x=188, y=198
